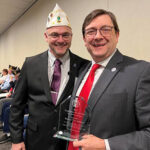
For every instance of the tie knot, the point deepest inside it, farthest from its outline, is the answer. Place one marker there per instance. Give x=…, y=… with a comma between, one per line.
x=95, y=67
x=57, y=62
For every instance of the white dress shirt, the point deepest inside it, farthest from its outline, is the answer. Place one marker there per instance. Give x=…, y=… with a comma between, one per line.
x=3, y=78
x=65, y=67
x=6, y=84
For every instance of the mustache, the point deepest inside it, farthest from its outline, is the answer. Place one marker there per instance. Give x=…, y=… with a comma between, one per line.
x=99, y=42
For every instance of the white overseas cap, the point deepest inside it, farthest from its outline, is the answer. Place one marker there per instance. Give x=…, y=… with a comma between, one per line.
x=57, y=18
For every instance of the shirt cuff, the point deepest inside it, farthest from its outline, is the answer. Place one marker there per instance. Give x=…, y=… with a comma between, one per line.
x=107, y=144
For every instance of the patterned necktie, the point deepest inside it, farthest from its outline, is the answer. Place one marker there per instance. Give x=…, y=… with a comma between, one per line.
x=55, y=85
x=85, y=92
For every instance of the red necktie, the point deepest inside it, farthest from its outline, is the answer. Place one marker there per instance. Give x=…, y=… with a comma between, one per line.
x=85, y=92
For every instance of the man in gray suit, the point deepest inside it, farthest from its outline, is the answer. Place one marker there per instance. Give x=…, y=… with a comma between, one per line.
x=120, y=95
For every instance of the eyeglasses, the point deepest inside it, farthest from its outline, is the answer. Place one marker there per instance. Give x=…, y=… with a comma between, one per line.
x=65, y=36
x=104, y=31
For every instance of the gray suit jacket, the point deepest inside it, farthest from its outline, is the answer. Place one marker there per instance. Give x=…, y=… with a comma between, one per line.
x=120, y=104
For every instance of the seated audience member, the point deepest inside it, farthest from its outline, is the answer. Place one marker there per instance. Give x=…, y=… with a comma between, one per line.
x=5, y=109
x=5, y=116
x=12, y=82
x=5, y=86
x=10, y=94
x=4, y=75
x=2, y=102
x=5, y=137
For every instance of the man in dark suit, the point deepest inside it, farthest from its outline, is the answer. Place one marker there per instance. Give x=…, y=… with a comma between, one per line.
x=119, y=99
x=34, y=88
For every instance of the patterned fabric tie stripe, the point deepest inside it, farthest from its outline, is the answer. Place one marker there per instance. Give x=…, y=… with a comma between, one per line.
x=55, y=85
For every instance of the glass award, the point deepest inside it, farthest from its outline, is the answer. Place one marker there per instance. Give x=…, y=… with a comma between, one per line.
x=75, y=121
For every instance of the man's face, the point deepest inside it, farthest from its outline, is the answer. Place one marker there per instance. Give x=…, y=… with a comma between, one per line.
x=4, y=73
x=9, y=71
x=101, y=46
x=59, y=40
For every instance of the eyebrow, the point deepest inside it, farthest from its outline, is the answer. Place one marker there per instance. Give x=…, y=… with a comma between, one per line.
x=93, y=28
x=59, y=33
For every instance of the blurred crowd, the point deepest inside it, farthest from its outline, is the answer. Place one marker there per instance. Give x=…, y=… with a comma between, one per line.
x=8, y=79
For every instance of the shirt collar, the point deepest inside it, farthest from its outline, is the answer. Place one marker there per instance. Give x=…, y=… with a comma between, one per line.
x=52, y=58
x=106, y=61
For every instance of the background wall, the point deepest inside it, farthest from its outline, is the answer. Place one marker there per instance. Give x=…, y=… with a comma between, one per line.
x=26, y=37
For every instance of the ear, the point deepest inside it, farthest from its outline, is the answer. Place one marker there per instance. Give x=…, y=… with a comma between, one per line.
x=117, y=36
x=84, y=39
x=46, y=37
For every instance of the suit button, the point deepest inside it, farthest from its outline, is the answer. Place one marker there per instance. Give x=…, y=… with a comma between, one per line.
x=55, y=110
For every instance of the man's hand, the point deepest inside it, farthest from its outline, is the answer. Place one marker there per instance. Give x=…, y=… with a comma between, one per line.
x=19, y=146
x=90, y=142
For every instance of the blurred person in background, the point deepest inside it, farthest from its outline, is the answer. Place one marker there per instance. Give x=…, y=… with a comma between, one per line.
x=5, y=86
x=4, y=75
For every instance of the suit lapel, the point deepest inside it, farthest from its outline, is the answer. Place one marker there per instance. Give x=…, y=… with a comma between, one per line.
x=105, y=79
x=44, y=74
x=72, y=74
x=80, y=79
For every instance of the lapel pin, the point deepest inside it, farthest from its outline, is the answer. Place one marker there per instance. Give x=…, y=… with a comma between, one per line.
x=113, y=69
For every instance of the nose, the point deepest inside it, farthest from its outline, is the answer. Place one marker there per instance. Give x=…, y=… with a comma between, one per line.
x=60, y=38
x=98, y=35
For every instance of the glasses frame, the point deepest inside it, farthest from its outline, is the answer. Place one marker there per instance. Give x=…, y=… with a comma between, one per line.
x=56, y=36
x=105, y=31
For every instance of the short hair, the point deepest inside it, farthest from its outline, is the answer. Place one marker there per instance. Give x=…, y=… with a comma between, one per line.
x=98, y=12
x=5, y=70
x=12, y=67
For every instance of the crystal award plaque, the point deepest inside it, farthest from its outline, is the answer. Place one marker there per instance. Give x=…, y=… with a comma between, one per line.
x=75, y=121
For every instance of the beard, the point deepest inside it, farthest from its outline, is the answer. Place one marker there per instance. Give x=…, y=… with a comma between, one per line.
x=57, y=53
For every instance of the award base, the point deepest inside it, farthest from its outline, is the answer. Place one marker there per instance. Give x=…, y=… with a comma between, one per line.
x=64, y=135
x=72, y=125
